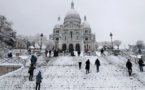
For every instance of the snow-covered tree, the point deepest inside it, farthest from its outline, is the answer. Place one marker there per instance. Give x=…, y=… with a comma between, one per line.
x=50, y=45
x=117, y=43
x=7, y=34
x=139, y=44
x=106, y=44
x=37, y=40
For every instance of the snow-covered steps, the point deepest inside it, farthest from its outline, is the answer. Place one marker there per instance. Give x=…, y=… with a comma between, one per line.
x=62, y=73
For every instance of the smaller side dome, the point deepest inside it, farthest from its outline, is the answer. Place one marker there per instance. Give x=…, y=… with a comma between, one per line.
x=85, y=24
x=58, y=24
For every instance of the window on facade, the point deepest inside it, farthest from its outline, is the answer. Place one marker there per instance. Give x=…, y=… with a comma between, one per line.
x=86, y=38
x=71, y=34
x=57, y=31
x=57, y=39
x=86, y=31
x=77, y=37
x=65, y=37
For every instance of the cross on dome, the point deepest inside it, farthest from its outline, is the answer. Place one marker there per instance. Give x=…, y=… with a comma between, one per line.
x=59, y=18
x=85, y=18
x=72, y=5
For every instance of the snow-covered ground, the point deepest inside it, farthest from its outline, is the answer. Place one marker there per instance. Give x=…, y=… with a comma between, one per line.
x=62, y=73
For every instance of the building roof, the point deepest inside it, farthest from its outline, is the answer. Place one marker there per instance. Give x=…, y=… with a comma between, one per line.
x=85, y=24
x=58, y=24
x=72, y=12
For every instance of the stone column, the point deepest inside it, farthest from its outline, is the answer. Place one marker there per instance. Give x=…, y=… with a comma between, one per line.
x=82, y=41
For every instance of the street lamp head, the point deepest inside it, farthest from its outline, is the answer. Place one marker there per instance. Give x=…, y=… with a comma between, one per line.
x=111, y=34
x=41, y=35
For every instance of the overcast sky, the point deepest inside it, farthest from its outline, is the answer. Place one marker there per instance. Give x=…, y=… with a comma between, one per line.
x=124, y=18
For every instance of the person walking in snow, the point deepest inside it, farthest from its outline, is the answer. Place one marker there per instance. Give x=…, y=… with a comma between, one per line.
x=10, y=54
x=46, y=52
x=79, y=52
x=31, y=71
x=49, y=53
x=33, y=59
x=38, y=80
x=97, y=63
x=102, y=52
x=87, y=66
x=129, y=66
x=29, y=51
x=80, y=62
x=140, y=62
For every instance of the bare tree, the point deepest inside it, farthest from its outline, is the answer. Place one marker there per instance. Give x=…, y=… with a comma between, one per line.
x=117, y=43
x=139, y=44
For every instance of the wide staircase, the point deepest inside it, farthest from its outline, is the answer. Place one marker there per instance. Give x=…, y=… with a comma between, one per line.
x=62, y=73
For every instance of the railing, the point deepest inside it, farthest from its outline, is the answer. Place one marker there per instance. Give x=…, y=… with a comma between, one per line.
x=11, y=60
x=15, y=60
x=128, y=56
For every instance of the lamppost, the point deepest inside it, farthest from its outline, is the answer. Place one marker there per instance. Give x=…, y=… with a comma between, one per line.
x=41, y=40
x=111, y=40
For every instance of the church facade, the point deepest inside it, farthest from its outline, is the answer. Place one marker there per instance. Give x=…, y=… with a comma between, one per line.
x=73, y=35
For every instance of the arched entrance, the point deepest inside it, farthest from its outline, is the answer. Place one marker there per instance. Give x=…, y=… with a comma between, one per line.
x=71, y=47
x=77, y=47
x=64, y=47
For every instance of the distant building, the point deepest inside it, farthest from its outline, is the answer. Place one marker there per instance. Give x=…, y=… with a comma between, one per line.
x=21, y=44
x=72, y=34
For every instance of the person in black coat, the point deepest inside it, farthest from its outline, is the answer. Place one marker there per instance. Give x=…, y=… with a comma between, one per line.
x=102, y=52
x=31, y=70
x=97, y=63
x=129, y=66
x=46, y=52
x=38, y=80
x=140, y=62
x=87, y=66
x=49, y=53
x=79, y=52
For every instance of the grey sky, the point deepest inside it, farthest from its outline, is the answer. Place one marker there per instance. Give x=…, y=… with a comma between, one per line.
x=124, y=18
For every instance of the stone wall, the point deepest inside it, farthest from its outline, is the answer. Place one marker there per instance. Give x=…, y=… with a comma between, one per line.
x=6, y=69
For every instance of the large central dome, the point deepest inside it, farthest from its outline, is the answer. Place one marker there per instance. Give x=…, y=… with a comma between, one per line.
x=72, y=12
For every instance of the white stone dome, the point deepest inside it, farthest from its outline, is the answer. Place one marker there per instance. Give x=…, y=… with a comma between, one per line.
x=85, y=24
x=58, y=24
x=72, y=12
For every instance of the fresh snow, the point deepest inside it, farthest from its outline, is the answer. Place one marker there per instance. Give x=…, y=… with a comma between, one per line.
x=62, y=73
